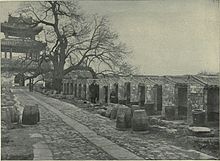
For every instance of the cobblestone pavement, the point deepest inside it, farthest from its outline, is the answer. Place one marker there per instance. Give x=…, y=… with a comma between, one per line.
x=146, y=145
x=64, y=142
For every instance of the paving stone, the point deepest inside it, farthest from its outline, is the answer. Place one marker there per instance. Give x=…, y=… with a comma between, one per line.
x=106, y=128
x=199, y=129
x=60, y=147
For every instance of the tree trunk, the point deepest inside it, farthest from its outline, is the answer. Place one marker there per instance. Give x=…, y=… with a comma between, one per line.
x=57, y=84
x=58, y=75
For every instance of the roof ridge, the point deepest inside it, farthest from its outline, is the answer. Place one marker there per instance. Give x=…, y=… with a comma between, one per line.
x=169, y=79
x=198, y=79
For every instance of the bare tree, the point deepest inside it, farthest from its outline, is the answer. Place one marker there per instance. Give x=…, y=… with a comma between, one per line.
x=75, y=41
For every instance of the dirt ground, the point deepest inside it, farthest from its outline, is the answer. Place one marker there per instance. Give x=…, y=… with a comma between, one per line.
x=16, y=143
x=208, y=145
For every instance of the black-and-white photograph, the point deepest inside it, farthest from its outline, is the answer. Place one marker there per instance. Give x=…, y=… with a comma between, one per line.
x=110, y=80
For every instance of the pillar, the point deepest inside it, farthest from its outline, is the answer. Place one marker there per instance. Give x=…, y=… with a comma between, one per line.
x=11, y=53
x=154, y=88
x=5, y=55
x=63, y=87
x=189, y=106
x=67, y=88
x=101, y=93
x=205, y=106
x=75, y=89
x=87, y=92
x=84, y=89
x=109, y=93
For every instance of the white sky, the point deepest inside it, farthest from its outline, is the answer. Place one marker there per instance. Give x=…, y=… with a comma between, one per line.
x=166, y=36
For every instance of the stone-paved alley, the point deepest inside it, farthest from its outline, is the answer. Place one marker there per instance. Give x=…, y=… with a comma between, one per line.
x=69, y=133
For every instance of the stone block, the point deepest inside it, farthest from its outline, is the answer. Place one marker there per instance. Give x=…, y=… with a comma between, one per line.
x=149, y=108
x=199, y=117
x=200, y=131
x=170, y=112
x=102, y=112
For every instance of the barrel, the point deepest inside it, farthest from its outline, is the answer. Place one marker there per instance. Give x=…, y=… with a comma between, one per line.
x=123, y=119
x=198, y=117
x=134, y=107
x=139, y=120
x=31, y=115
x=170, y=112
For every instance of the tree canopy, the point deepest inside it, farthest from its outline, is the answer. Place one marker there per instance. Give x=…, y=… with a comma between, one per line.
x=77, y=41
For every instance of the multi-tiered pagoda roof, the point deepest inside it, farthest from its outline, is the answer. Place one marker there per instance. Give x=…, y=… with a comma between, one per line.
x=20, y=35
x=20, y=27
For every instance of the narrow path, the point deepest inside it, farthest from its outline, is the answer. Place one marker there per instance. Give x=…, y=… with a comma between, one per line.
x=106, y=145
x=147, y=146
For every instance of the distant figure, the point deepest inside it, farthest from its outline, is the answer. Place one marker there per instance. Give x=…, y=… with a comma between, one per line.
x=94, y=92
x=113, y=97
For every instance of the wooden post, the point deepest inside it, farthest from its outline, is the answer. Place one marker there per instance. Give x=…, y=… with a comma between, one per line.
x=64, y=89
x=101, y=94
x=5, y=55
x=109, y=91
x=205, y=106
x=29, y=84
x=75, y=89
x=10, y=53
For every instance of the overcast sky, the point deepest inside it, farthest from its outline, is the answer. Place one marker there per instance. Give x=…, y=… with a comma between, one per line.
x=166, y=36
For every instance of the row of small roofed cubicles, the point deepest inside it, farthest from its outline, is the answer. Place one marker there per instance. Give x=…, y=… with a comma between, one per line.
x=154, y=93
